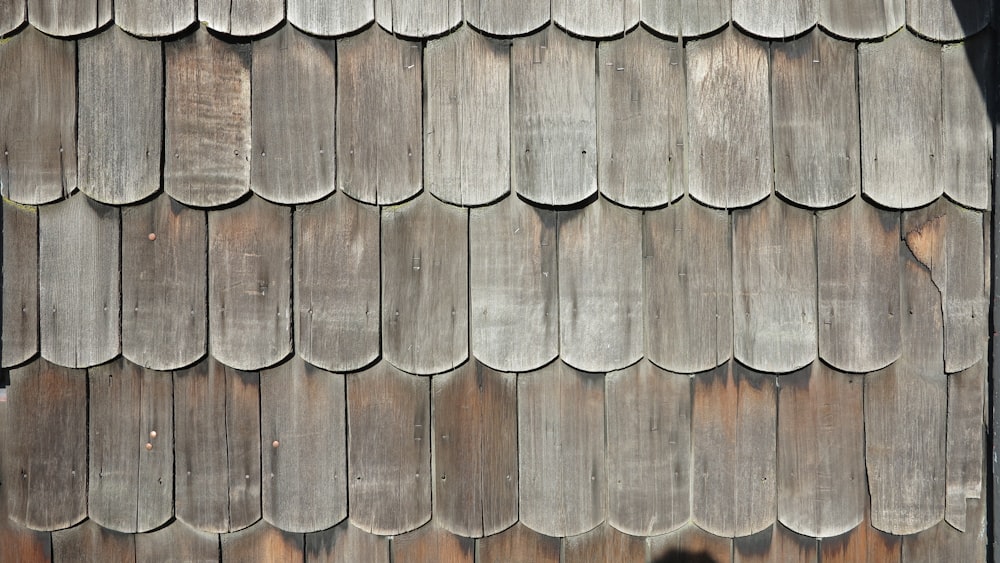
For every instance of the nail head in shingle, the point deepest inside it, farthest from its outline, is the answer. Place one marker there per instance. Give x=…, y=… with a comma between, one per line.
x=152, y=236
x=149, y=446
x=275, y=444
x=152, y=434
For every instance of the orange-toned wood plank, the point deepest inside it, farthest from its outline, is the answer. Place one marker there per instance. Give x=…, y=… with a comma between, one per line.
x=345, y=543
x=177, y=542
x=90, y=543
x=518, y=544
x=776, y=543
x=432, y=544
x=605, y=544
x=262, y=542
x=863, y=544
x=17, y=543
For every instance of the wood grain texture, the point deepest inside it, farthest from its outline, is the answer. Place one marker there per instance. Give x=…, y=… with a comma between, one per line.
x=38, y=118
x=330, y=19
x=641, y=120
x=78, y=261
x=685, y=18
x=943, y=20
x=774, y=286
x=207, y=120
x=858, y=264
x=262, y=542
x=19, y=283
x=47, y=464
x=344, y=543
x=814, y=105
x=518, y=544
x=729, y=155
x=899, y=81
x=64, y=18
x=17, y=543
x=965, y=448
x=131, y=447
x=336, y=283
x=862, y=19
x=304, y=445
x=154, y=18
x=514, y=285
x=90, y=543
x=164, y=284
x=776, y=543
x=689, y=544
x=241, y=17
x=649, y=449
x=863, y=544
x=733, y=450
x=821, y=457
x=948, y=240
x=217, y=447
x=687, y=267
x=388, y=450
x=506, y=17
x=966, y=140
x=553, y=118
x=425, y=292
x=906, y=414
x=600, y=297
x=120, y=120
x=467, y=118
x=379, y=125
x=775, y=19
x=604, y=544
x=249, y=284
x=561, y=445
x=945, y=543
x=474, y=427
x=177, y=542
x=293, y=113
x=596, y=19
x=432, y=544
x=12, y=15
x=415, y=18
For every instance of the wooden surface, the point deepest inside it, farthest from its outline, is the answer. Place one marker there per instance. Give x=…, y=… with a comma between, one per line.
x=68, y=17
x=303, y=431
x=475, y=450
x=326, y=18
x=728, y=156
x=37, y=122
x=120, y=120
x=79, y=299
x=689, y=544
x=336, y=283
x=514, y=285
x=207, y=120
x=241, y=17
x=561, y=442
x=12, y=15
x=776, y=543
x=17, y=543
x=19, y=283
x=262, y=542
x=945, y=543
x=733, y=434
x=966, y=137
x=432, y=544
x=178, y=542
x=249, y=284
x=596, y=18
x=900, y=89
x=345, y=543
x=775, y=18
x=467, y=118
x=600, y=297
x=774, y=286
x=425, y=277
x=131, y=447
x=965, y=453
x=217, y=447
x=814, y=105
x=90, y=543
x=292, y=123
x=154, y=18
x=605, y=544
x=863, y=544
x=519, y=544
x=858, y=291
x=164, y=283
x=379, y=126
x=685, y=18
x=861, y=19
x=687, y=267
x=511, y=17
x=641, y=120
x=944, y=20
x=553, y=143
x=416, y=18
x=47, y=465
x=821, y=455
x=388, y=450
x=649, y=449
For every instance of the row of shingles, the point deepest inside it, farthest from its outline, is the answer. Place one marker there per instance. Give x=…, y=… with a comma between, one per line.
x=858, y=19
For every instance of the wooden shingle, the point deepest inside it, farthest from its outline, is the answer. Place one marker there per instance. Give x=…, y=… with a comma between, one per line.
x=177, y=541
x=777, y=19
x=432, y=544
x=862, y=19
x=604, y=544
x=417, y=18
x=689, y=543
x=508, y=17
x=328, y=18
x=519, y=543
x=596, y=18
x=776, y=543
x=947, y=20
x=19, y=283
x=12, y=15
x=154, y=18
x=863, y=544
x=262, y=542
x=91, y=543
x=345, y=543
x=64, y=18
x=967, y=423
x=966, y=135
x=685, y=18
x=241, y=17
